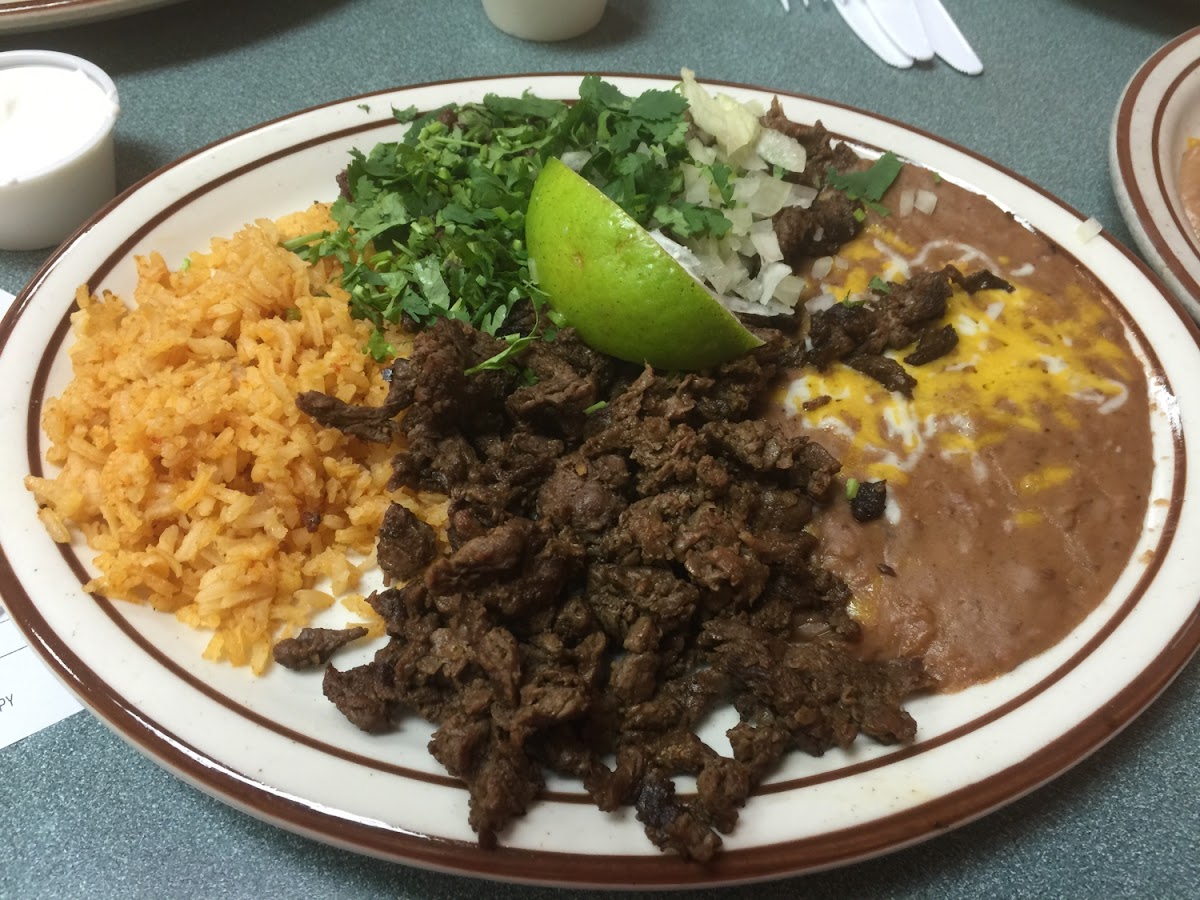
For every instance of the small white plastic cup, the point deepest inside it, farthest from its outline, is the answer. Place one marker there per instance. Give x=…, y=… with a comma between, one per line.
x=43, y=202
x=545, y=20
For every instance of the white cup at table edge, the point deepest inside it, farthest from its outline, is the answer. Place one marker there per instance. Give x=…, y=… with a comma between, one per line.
x=40, y=209
x=545, y=20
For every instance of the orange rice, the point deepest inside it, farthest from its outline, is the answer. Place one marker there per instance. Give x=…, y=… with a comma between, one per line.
x=184, y=461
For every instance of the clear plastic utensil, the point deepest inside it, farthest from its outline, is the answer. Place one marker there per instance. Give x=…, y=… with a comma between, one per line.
x=948, y=41
x=869, y=31
x=902, y=23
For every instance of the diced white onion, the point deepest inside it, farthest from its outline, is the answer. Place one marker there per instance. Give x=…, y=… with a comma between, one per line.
x=1089, y=229
x=778, y=149
x=819, y=233
x=744, y=188
x=769, y=196
x=740, y=218
x=789, y=289
x=728, y=132
x=740, y=305
x=926, y=201
x=822, y=267
x=697, y=187
x=741, y=243
x=765, y=241
x=575, y=159
x=747, y=288
x=701, y=152
x=769, y=278
x=802, y=196
x=711, y=262
x=727, y=274
x=820, y=302
x=907, y=198
x=734, y=126
x=751, y=290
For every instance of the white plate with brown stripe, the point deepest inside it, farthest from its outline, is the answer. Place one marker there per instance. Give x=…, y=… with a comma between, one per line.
x=273, y=747
x=1154, y=159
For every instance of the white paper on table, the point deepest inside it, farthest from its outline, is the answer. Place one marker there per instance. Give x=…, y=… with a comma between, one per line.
x=31, y=698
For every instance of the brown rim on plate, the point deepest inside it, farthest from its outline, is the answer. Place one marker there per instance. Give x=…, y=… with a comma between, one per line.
x=34, y=15
x=1123, y=144
x=736, y=865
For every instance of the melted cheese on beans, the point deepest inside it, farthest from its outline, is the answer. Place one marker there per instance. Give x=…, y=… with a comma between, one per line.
x=1009, y=372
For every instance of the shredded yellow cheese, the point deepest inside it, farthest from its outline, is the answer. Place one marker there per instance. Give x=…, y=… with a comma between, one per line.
x=1013, y=364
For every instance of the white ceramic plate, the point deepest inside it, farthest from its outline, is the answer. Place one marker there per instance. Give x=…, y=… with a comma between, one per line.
x=1158, y=112
x=275, y=748
x=37, y=15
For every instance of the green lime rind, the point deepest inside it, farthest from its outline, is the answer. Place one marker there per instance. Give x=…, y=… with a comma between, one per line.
x=622, y=292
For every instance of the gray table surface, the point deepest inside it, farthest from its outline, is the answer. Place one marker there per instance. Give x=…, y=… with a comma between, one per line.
x=82, y=814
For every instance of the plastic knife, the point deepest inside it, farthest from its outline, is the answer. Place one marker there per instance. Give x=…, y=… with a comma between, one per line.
x=860, y=20
x=948, y=42
x=902, y=23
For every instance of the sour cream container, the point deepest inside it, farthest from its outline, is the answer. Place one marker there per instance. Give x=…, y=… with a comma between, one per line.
x=57, y=165
x=545, y=20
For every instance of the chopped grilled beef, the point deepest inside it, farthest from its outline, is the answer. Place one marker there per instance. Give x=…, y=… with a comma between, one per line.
x=406, y=545
x=823, y=153
x=607, y=573
x=934, y=343
x=895, y=317
x=870, y=501
x=885, y=370
x=370, y=423
x=314, y=647
x=818, y=230
x=981, y=280
x=343, y=183
x=363, y=695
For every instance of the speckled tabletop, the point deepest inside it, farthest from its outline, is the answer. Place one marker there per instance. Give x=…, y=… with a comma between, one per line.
x=82, y=814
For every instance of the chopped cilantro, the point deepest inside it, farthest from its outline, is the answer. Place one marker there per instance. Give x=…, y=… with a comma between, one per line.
x=378, y=347
x=879, y=286
x=595, y=407
x=186, y=264
x=505, y=359
x=435, y=227
x=851, y=488
x=719, y=173
x=365, y=107
x=870, y=185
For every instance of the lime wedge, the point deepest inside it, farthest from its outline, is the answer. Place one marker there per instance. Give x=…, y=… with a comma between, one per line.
x=622, y=292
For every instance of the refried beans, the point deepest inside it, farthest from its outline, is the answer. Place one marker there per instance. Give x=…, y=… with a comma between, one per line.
x=1017, y=474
